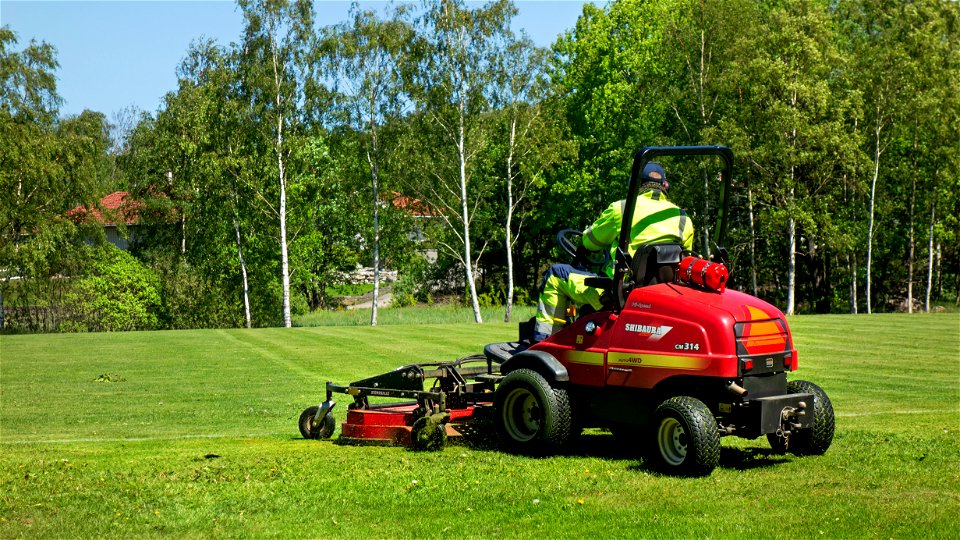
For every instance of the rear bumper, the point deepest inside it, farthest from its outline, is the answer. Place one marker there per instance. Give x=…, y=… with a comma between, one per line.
x=760, y=416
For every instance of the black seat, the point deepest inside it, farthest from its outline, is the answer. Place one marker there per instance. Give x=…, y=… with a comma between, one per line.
x=651, y=264
x=655, y=263
x=501, y=352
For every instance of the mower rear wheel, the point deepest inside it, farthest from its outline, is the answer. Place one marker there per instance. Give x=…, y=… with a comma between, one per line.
x=685, y=437
x=815, y=440
x=310, y=429
x=531, y=416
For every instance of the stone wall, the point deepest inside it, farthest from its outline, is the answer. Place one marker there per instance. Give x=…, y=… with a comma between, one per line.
x=365, y=275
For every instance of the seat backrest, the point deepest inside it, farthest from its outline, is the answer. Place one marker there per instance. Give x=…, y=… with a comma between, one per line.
x=655, y=263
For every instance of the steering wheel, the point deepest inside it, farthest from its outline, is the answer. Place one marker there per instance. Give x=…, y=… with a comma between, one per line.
x=565, y=239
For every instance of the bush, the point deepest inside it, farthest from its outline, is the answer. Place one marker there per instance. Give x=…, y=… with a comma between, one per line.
x=412, y=284
x=521, y=297
x=116, y=293
x=192, y=301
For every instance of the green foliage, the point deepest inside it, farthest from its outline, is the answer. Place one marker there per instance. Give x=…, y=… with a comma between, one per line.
x=521, y=297
x=349, y=289
x=50, y=165
x=843, y=117
x=413, y=284
x=329, y=210
x=117, y=293
x=191, y=299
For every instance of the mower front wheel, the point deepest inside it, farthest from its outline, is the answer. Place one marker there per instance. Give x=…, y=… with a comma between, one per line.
x=429, y=434
x=686, y=440
x=311, y=429
x=531, y=416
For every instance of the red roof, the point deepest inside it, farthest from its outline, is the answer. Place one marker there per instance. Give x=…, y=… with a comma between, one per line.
x=116, y=206
x=413, y=207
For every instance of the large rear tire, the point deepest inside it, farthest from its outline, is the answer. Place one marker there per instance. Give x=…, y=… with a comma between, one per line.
x=815, y=440
x=310, y=429
x=531, y=416
x=686, y=440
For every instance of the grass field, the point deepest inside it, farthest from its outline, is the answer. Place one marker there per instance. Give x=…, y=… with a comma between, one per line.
x=439, y=314
x=193, y=434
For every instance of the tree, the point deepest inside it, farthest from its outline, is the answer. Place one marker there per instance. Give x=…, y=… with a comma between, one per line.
x=449, y=78
x=363, y=59
x=180, y=164
x=275, y=68
x=47, y=167
x=793, y=122
x=532, y=139
x=882, y=67
x=611, y=75
x=699, y=51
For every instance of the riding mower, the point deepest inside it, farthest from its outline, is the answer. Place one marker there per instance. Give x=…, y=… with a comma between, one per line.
x=673, y=362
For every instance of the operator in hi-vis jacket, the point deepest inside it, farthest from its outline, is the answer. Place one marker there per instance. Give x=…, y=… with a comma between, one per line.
x=655, y=220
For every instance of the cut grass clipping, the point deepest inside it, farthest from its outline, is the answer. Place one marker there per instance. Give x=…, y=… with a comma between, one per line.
x=194, y=433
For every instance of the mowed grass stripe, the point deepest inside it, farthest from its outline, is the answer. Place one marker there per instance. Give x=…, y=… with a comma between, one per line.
x=199, y=439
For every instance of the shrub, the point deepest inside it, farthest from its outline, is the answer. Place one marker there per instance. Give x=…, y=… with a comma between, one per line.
x=521, y=297
x=412, y=284
x=116, y=293
x=192, y=301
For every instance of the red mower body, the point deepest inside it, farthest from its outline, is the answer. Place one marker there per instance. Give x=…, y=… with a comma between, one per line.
x=673, y=330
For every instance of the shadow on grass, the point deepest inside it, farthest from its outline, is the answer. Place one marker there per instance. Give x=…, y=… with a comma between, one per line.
x=603, y=445
x=744, y=459
x=606, y=446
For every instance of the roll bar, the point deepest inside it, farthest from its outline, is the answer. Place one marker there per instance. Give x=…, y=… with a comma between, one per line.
x=640, y=159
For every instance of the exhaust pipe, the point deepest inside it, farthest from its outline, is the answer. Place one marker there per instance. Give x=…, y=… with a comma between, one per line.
x=735, y=388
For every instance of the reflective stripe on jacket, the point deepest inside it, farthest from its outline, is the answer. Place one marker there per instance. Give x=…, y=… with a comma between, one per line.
x=655, y=219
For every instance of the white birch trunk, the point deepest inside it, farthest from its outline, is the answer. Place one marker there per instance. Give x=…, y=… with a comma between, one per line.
x=926, y=303
x=243, y=272
x=284, y=255
x=852, y=261
x=791, y=266
x=509, y=234
x=375, y=184
x=467, y=255
x=376, y=247
x=792, y=226
x=873, y=194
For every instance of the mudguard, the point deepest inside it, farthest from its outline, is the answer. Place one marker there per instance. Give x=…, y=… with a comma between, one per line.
x=543, y=363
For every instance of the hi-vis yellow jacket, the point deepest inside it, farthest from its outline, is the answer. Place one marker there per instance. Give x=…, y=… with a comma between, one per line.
x=655, y=220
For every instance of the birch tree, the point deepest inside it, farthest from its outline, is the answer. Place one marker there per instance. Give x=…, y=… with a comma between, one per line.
x=449, y=79
x=789, y=109
x=274, y=68
x=529, y=148
x=883, y=71
x=363, y=57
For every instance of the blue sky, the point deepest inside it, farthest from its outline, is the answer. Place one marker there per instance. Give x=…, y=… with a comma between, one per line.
x=117, y=54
